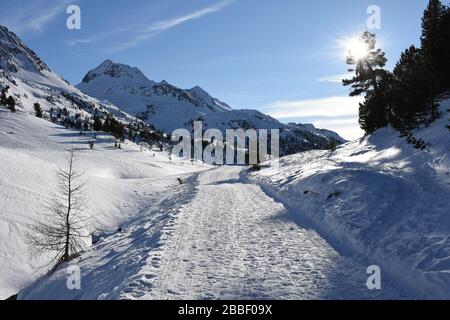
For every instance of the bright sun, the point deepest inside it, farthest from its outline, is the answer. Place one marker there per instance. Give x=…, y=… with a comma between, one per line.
x=357, y=48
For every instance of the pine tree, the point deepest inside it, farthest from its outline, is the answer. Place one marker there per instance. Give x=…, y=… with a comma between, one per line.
x=3, y=97
x=38, y=110
x=97, y=126
x=120, y=131
x=445, y=50
x=434, y=40
x=369, y=75
x=372, y=112
x=368, y=69
x=11, y=103
x=107, y=125
x=431, y=27
x=415, y=89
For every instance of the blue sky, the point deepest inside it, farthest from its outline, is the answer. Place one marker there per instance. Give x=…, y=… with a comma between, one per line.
x=283, y=57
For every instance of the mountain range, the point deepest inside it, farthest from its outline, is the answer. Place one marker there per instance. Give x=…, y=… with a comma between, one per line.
x=127, y=94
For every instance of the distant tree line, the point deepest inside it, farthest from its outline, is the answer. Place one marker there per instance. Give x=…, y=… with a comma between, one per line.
x=102, y=120
x=406, y=97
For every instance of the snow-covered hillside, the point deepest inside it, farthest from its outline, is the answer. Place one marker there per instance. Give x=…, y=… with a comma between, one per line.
x=157, y=103
x=31, y=81
x=120, y=184
x=379, y=198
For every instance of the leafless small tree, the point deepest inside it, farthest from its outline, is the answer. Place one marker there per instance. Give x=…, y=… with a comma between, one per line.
x=60, y=230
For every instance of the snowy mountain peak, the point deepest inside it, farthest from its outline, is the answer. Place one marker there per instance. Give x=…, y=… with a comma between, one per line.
x=198, y=89
x=200, y=93
x=156, y=102
x=15, y=56
x=107, y=62
x=112, y=70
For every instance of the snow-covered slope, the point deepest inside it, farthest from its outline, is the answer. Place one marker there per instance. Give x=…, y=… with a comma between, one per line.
x=380, y=198
x=15, y=56
x=31, y=81
x=168, y=107
x=120, y=184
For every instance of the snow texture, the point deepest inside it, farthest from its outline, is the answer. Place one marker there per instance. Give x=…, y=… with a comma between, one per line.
x=306, y=229
x=120, y=184
x=215, y=237
x=381, y=199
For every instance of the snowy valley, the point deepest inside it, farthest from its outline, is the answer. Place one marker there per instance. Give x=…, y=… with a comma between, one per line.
x=329, y=214
x=125, y=180
x=305, y=226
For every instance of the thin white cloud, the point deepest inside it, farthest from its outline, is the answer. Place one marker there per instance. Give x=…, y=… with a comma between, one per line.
x=337, y=113
x=99, y=36
x=164, y=25
x=325, y=107
x=348, y=128
x=38, y=22
x=34, y=17
x=336, y=78
x=75, y=42
x=170, y=23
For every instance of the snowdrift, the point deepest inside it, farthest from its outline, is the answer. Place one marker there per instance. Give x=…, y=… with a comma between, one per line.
x=378, y=198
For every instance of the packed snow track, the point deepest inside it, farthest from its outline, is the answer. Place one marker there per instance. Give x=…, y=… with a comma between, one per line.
x=232, y=241
x=214, y=237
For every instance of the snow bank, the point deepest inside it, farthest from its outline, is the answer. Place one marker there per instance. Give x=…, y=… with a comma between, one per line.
x=120, y=184
x=378, y=198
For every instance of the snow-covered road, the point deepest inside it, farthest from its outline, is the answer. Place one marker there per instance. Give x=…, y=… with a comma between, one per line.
x=233, y=241
x=214, y=237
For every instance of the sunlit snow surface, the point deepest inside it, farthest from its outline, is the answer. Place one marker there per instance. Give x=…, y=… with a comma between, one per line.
x=120, y=183
x=381, y=199
x=306, y=229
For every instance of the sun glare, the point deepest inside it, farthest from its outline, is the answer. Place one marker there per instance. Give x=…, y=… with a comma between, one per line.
x=357, y=48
